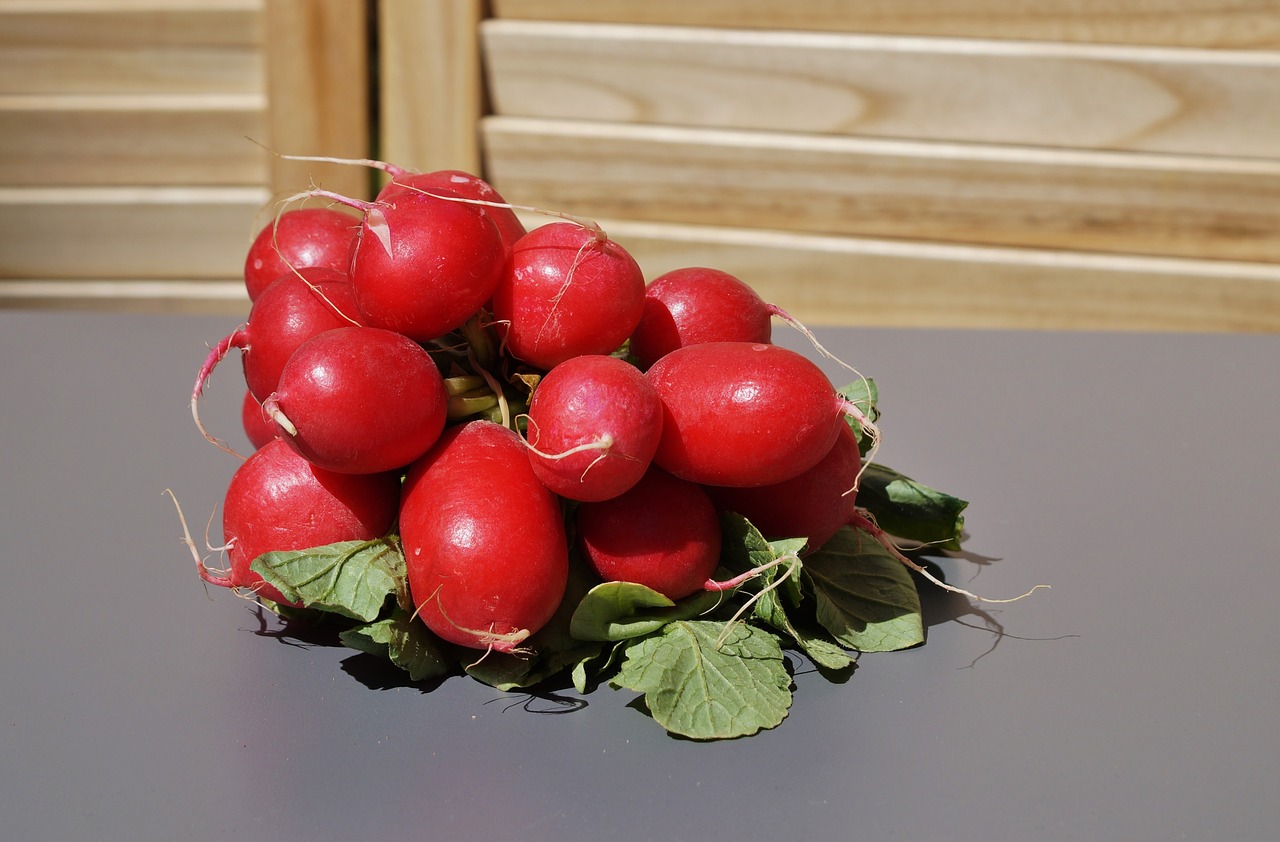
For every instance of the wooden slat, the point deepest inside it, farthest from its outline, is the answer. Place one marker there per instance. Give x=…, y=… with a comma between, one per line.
x=136, y=233
x=133, y=139
x=432, y=92
x=831, y=280
x=317, y=92
x=107, y=47
x=1236, y=24
x=226, y=297
x=1123, y=202
x=1076, y=95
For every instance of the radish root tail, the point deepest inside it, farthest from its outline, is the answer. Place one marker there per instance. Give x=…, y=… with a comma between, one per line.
x=863, y=521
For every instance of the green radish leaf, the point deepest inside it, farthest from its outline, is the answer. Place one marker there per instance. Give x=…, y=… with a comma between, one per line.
x=615, y=611
x=351, y=578
x=864, y=394
x=698, y=689
x=909, y=509
x=864, y=596
x=745, y=549
x=404, y=641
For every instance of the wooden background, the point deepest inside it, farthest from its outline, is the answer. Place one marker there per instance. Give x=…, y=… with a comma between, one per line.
x=1083, y=164
x=134, y=136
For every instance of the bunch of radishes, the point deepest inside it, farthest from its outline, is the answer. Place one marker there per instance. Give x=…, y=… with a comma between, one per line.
x=502, y=403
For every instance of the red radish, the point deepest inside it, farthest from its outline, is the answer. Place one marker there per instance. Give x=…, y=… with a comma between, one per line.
x=594, y=424
x=462, y=184
x=424, y=264
x=695, y=305
x=359, y=400
x=744, y=413
x=257, y=426
x=813, y=505
x=567, y=290
x=484, y=540
x=278, y=501
x=297, y=239
x=290, y=311
x=663, y=533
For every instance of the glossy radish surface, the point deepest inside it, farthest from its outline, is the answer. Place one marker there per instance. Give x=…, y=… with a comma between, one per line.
x=663, y=533
x=566, y=292
x=297, y=239
x=257, y=426
x=694, y=305
x=277, y=501
x=359, y=400
x=813, y=505
x=465, y=185
x=743, y=413
x=290, y=311
x=484, y=540
x=423, y=265
x=594, y=424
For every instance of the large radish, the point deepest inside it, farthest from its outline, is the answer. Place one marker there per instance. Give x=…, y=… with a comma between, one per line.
x=484, y=540
x=359, y=400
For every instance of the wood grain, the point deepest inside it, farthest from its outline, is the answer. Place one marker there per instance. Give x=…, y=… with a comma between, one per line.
x=127, y=232
x=1235, y=24
x=317, y=93
x=195, y=139
x=130, y=47
x=1221, y=208
x=432, y=91
x=177, y=295
x=835, y=280
x=1210, y=102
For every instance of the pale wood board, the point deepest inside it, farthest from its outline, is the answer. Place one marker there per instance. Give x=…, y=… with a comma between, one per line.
x=1237, y=24
x=133, y=139
x=1208, y=102
x=317, y=93
x=176, y=295
x=128, y=232
x=832, y=280
x=129, y=47
x=1190, y=206
x=430, y=76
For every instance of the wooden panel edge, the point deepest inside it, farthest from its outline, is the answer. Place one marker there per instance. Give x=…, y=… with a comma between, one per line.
x=835, y=280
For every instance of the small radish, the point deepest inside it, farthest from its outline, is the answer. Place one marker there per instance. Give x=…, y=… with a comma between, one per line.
x=663, y=533
x=594, y=424
x=567, y=290
x=744, y=413
x=813, y=505
x=290, y=311
x=257, y=426
x=484, y=540
x=462, y=184
x=359, y=400
x=294, y=308
x=695, y=305
x=278, y=501
x=424, y=264
x=297, y=239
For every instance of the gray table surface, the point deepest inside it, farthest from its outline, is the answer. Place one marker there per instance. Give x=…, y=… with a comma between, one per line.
x=1137, y=699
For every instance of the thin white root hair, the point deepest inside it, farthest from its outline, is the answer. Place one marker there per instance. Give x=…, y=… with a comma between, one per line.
x=589, y=224
x=864, y=522
x=789, y=560
x=216, y=355
x=509, y=642
x=220, y=578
